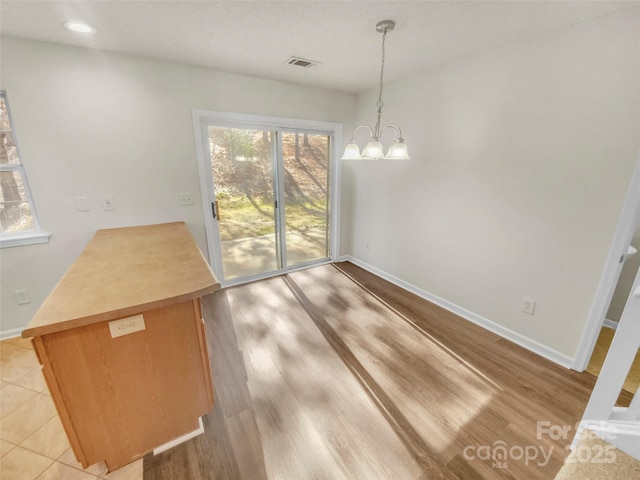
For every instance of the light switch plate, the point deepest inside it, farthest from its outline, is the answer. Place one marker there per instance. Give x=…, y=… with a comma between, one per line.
x=22, y=297
x=125, y=326
x=81, y=204
x=107, y=202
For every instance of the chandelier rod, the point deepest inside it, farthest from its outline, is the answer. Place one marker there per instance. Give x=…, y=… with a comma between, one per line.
x=380, y=104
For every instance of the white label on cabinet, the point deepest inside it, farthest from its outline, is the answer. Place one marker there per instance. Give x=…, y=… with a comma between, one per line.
x=125, y=326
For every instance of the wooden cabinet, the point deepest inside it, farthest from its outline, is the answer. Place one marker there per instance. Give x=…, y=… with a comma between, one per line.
x=120, y=395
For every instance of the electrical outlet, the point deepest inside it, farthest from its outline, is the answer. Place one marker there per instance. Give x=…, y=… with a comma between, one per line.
x=528, y=306
x=125, y=326
x=367, y=245
x=107, y=202
x=22, y=297
x=186, y=199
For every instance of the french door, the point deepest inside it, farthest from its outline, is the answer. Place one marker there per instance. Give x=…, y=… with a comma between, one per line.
x=269, y=198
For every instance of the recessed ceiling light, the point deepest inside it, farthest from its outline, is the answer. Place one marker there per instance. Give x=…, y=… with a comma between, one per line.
x=79, y=27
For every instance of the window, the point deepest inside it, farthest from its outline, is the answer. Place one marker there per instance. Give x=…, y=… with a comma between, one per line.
x=271, y=190
x=18, y=221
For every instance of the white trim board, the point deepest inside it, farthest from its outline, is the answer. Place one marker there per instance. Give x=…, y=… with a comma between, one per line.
x=13, y=333
x=181, y=439
x=525, y=342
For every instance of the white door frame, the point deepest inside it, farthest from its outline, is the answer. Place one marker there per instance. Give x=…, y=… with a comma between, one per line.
x=203, y=118
x=627, y=224
x=618, y=425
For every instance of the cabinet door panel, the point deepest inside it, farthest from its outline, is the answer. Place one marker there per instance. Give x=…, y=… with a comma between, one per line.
x=127, y=395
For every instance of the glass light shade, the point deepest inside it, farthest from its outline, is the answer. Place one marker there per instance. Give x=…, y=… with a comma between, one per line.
x=373, y=150
x=398, y=151
x=352, y=152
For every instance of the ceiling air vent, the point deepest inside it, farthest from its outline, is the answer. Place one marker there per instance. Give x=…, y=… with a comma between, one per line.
x=301, y=62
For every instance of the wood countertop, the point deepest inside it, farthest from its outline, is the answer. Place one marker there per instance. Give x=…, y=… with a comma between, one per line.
x=123, y=272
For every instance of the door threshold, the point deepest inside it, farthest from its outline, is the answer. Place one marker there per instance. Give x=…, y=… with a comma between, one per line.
x=276, y=273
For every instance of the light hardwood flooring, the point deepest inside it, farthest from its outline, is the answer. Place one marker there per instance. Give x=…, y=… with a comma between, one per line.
x=33, y=444
x=632, y=382
x=334, y=373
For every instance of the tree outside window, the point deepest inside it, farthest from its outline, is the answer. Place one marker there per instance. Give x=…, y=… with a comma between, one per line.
x=18, y=222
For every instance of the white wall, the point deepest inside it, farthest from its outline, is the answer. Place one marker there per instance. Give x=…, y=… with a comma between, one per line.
x=521, y=159
x=91, y=123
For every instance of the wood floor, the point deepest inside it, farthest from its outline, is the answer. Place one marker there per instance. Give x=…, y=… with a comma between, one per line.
x=334, y=373
x=632, y=382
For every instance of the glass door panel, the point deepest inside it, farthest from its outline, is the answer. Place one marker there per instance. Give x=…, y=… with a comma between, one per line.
x=305, y=158
x=243, y=177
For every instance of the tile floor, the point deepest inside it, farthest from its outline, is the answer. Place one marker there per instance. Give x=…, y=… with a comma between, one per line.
x=33, y=444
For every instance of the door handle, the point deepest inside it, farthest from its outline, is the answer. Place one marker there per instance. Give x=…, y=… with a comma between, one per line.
x=214, y=210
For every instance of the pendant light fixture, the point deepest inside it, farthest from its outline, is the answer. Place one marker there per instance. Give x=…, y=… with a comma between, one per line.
x=374, y=149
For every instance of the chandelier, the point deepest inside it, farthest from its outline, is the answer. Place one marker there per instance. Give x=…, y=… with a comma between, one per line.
x=374, y=149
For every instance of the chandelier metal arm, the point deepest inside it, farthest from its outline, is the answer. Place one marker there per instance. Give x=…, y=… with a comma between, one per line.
x=353, y=135
x=396, y=129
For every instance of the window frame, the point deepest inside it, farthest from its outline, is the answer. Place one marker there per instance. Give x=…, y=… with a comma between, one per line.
x=30, y=237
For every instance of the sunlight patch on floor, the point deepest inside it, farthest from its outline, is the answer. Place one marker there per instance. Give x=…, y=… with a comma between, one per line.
x=401, y=362
x=311, y=411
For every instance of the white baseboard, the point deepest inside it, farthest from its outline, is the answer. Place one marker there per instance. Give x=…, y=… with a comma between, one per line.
x=515, y=337
x=15, y=332
x=182, y=439
x=610, y=323
x=624, y=435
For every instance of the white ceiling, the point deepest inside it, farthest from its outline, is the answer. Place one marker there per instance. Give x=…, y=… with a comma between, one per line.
x=257, y=37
